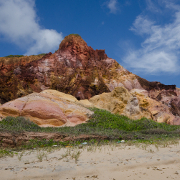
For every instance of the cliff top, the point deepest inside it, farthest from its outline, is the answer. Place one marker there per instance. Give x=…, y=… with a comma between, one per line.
x=71, y=40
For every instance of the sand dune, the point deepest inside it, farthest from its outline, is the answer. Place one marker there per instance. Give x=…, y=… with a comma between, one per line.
x=108, y=162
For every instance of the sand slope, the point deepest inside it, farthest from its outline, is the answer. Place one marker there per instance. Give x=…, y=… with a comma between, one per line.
x=114, y=162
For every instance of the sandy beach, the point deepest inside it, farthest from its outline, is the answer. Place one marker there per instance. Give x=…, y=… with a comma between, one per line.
x=107, y=162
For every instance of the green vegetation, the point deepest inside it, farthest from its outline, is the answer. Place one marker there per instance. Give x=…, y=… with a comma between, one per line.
x=41, y=54
x=18, y=124
x=15, y=56
x=4, y=152
x=75, y=35
x=106, y=126
x=23, y=55
x=101, y=123
x=35, y=144
x=106, y=120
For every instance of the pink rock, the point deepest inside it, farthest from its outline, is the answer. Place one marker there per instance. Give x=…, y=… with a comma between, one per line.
x=48, y=108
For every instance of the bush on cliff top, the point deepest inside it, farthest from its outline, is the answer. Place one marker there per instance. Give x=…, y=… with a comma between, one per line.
x=41, y=54
x=23, y=55
x=75, y=35
x=15, y=56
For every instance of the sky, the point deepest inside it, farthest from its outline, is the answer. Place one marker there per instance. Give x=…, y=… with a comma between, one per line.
x=141, y=35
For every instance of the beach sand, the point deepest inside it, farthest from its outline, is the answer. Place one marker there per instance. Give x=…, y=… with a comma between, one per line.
x=107, y=162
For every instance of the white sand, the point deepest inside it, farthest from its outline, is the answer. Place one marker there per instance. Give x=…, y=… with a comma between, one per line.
x=120, y=162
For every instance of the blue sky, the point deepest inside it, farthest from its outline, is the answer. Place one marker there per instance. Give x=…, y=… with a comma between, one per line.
x=142, y=35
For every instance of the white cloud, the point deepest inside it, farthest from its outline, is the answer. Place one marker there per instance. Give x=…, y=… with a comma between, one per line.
x=152, y=7
x=160, y=49
x=18, y=24
x=142, y=25
x=152, y=62
x=112, y=5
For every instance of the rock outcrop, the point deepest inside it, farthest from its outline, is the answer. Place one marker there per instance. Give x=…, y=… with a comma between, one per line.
x=120, y=101
x=53, y=108
x=74, y=69
x=134, y=104
x=48, y=108
x=77, y=69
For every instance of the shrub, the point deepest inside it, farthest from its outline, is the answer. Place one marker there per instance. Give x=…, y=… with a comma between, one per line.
x=75, y=35
x=101, y=123
x=18, y=124
x=15, y=56
x=41, y=54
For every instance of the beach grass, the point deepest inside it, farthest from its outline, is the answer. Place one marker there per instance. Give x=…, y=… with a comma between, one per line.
x=102, y=123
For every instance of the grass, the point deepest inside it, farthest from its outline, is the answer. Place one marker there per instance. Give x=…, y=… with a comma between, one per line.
x=76, y=155
x=71, y=153
x=5, y=152
x=14, y=56
x=23, y=55
x=18, y=124
x=75, y=35
x=36, y=144
x=41, y=155
x=41, y=54
x=20, y=155
x=102, y=123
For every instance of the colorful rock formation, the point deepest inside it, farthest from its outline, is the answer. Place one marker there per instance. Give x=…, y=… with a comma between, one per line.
x=48, y=108
x=74, y=69
x=77, y=69
x=10, y=85
x=134, y=104
x=53, y=108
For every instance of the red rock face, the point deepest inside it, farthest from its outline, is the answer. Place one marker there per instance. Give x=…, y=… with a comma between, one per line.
x=72, y=69
x=9, y=82
x=81, y=71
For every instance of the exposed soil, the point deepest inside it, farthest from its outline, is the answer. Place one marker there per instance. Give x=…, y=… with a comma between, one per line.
x=17, y=139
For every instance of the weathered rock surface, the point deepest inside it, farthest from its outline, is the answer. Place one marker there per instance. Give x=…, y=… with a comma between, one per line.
x=74, y=69
x=48, y=108
x=77, y=69
x=54, y=108
x=134, y=104
x=158, y=110
x=10, y=86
